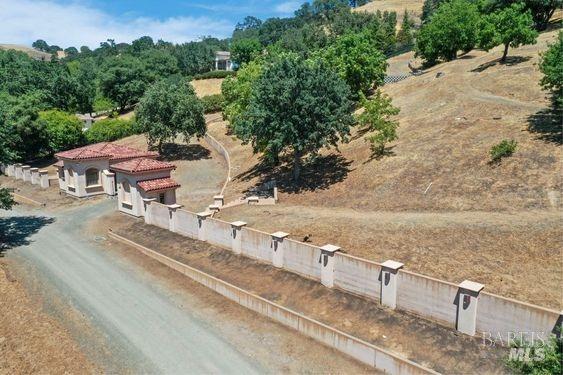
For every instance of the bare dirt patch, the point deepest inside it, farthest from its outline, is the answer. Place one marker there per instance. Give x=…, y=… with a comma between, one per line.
x=399, y=332
x=205, y=87
x=30, y=340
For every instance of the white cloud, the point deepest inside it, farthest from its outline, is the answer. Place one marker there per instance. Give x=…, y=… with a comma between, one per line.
x=24, y=21
x=288, y=7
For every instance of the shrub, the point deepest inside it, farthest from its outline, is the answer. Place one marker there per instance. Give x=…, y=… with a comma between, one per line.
x=214, y=74
x=212, y=103
x=504, y=149
x=64, y=130
x=108, y=130
x=537, y=358
x=102, y=103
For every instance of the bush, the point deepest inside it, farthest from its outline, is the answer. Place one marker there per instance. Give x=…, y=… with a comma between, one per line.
x=64, y=130
x=102, y=104
x=504, y=149
x=540, y=357
x=215, y=74
x=108, y=130
x=212, y=103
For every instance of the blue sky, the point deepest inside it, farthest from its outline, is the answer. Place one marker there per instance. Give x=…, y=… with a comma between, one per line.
x=88, y=22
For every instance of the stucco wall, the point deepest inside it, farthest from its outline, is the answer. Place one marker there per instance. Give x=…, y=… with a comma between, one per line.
x=256, y=244
x=219, y=233
x=496, y=314
x=363, y=351
x=302, y=259
x=160, y=215
x=186, y=223
x=427, y=297
x=357, y=275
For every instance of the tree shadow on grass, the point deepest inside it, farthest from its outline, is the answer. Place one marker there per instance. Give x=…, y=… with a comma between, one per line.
x=191, y=152
x=16, y=230
x=546, y=124
x=317, y=174
x=510, y=61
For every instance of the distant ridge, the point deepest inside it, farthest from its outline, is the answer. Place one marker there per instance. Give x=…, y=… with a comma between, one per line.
x=31, y=52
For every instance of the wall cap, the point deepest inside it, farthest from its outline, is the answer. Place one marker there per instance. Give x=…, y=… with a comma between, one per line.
x=149, y=200
x=280, y=235
x=393, y=265
x=218, y=197
x=34, y=169
x=26, y=167
x=204, y=214
x=174, y=206
x=43, y=171
x=328, y=248
x=471, y=286
x=238, y=224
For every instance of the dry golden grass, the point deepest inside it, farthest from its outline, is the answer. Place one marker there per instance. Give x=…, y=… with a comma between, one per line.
x=435, y=201
x=205, y=87
x=413, y=7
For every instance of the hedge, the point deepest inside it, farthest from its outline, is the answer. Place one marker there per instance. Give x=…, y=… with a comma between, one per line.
x=212, y=103
x=110, y=129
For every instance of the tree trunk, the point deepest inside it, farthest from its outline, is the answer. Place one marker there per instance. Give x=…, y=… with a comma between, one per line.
x=296, y=165
x=160, y=146
x=503, y=58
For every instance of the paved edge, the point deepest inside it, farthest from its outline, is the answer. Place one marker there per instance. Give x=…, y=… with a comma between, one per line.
x=356, y=348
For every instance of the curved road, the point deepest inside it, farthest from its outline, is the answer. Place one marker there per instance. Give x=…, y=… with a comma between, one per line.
x=152, y=332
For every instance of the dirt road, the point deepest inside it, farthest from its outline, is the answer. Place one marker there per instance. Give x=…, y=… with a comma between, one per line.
x=131, y=322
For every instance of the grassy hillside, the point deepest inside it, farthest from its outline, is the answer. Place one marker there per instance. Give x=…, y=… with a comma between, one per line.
x=435, y=202
x=413, y=7
x=28, y=50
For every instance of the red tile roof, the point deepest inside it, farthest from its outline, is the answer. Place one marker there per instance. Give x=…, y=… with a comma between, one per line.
x=104, y=150
x=142, y=165
x=158, y=184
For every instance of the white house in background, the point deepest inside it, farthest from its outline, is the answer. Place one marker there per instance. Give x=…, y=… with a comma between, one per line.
x=87, y=171
x=143, y=178
x=223, y=61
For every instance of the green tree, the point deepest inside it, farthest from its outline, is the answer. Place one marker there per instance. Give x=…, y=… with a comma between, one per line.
x=28, y=135
x=453, y=27
x=40, y=45
x=510, y=26
x=404, y=36
x=86, y=79
x=142, y=44
x=168, y=109
x=158, y=64
x=296, y=106
x=377, y=118
x=64, y=130
x=237, y=91
x=245, y=50
x=6, y=200
x=552, y=68
x=123, y=80
x=357, y=61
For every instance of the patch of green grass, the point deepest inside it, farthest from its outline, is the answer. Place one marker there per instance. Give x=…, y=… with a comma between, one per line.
x=502, y=150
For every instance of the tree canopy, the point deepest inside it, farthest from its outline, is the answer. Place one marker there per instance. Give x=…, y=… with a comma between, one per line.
x=297, y=106
x=552, y=70
x=170, y=108
x=511, y=26
x=452, y=28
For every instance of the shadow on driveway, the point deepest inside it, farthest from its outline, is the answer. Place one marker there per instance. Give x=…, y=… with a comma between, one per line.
x=16, y=230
